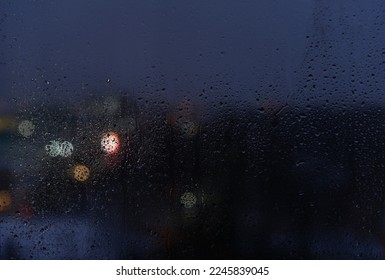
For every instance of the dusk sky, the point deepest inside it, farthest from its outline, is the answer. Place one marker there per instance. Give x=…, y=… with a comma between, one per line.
x=68, y=48
x=215, y=129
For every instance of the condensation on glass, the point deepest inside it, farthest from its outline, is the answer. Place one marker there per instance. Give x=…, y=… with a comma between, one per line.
x=192, y=130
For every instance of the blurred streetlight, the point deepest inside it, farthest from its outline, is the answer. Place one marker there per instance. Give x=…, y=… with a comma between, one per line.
x=110, y=142
x=188, y=200
x=56, y=148
x=5, y=200
x=81, y=173
x=26, y=128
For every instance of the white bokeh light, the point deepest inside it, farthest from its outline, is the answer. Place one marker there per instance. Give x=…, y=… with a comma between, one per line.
x=26, y=128
x=53, y=148
x=66, y=149
x=56, y=148
x=188, y=199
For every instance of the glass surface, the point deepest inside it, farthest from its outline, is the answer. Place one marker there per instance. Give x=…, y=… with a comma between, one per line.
x=192, y=129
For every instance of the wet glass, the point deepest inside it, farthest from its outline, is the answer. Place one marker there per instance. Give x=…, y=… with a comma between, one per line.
x=192, y=130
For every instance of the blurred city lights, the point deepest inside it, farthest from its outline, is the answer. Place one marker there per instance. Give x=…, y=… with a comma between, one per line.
x=7, y=123
x=53, y=148
x=26, y=128
x=56, y=148
x=81, y=173
x=26, y=211
x=188, y=199
x=189, y=128
x=110, y=142
x=66, y=149
x=185, y=108
x=5, y=200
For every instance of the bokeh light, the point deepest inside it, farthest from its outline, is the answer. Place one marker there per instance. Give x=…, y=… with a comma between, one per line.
x=110, y=142
x=26, y=128
x=5, y=200
x=26, y=211
x=66, y=149
x=53, y=148
x=81, y=173
x=56, y=148
x=189, y=128
x=188, y=200
x=185, y=108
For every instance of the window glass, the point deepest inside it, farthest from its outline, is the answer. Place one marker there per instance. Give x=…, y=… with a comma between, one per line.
x=192, y=129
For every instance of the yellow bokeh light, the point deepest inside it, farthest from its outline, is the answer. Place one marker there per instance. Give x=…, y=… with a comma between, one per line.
x=5, y=200
x=81, y=173
x=7, y=123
